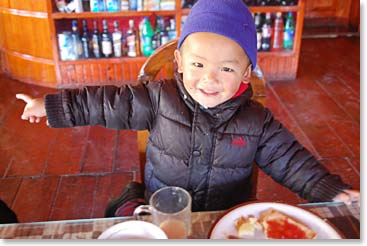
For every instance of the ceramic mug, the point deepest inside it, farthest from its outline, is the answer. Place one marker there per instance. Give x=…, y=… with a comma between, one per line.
x=170, y=208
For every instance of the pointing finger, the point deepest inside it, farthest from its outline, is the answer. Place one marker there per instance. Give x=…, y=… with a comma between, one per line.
x=24, y=97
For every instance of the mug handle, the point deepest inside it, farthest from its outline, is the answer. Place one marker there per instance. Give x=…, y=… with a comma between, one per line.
x=142, y=209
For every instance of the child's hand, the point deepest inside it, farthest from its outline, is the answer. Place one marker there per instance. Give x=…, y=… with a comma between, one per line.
x=34, y=109
x=347, y=196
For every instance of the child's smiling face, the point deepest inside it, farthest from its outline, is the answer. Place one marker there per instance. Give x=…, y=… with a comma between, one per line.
x=213, y=67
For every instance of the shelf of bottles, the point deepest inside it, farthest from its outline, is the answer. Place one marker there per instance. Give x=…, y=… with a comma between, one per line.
x=84, y=31
x=94, y=35
x=131, y=20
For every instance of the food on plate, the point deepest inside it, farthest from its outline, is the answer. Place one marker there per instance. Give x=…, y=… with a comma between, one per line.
x=274, y=225
x=246, y=226
x=278, y=225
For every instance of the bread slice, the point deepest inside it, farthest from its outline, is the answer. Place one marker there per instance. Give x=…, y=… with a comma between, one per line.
x=246, y=226
x=278, y=225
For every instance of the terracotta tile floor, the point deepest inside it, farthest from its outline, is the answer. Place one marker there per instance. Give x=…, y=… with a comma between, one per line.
x=55, y=174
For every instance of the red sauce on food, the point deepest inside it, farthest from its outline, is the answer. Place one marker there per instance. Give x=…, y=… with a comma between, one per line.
x=284, y=230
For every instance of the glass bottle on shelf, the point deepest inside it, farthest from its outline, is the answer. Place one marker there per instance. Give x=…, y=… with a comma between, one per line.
x=266, y=33
x=258, y=26
x=78, y=49
x=147, y=36
x=163, y=33
x=172, y=29
x=117, y=40
x=157, y=33
x=288, y=35
x=85, y=41
x=277, y=41
x=96, y=48
x=106, y=40
x=132, y=40
x=140, y=5
x=86, y=5
x=124, y=6
x=112, y=5
x=133, y=5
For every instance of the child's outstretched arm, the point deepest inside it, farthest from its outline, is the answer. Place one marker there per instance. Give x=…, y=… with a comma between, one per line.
x=348, y=196
x=34, y=109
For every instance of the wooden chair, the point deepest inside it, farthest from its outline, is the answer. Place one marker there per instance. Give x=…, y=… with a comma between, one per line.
x=161, y=62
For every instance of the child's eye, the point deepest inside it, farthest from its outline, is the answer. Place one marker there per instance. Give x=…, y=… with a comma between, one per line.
x=197, y=64
x=227, y=69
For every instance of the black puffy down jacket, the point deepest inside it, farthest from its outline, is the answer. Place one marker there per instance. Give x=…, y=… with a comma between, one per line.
x=209, y=152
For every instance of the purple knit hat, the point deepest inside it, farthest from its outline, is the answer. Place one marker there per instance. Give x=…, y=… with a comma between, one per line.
x=230, y=18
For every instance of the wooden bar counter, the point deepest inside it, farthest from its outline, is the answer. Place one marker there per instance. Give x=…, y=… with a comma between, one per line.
x=26, y=52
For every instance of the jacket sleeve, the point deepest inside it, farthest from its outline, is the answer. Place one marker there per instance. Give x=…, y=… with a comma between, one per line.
x=282, y=157
x=126, y=107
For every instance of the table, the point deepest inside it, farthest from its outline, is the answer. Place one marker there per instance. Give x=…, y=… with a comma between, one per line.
x=345, y=218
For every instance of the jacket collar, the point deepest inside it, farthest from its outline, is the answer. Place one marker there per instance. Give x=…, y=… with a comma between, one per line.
x=221, y=112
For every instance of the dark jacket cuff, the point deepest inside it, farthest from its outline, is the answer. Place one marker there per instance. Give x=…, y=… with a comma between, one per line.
x=327, y=188
x=55, y=111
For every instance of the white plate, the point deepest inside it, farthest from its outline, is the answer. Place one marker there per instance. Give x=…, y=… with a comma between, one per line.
x=133, y=229
x=226, y=224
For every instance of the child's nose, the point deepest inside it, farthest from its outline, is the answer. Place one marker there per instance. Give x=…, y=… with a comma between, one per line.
x=210, y=76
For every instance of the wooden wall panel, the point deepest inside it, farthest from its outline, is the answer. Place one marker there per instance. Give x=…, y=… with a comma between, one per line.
x=4, y=3
x=327, y=8
x=28, y=35
x=2, y=31
x=278, y=68
x=30, y=5
x=29, y=70
x=99, y=73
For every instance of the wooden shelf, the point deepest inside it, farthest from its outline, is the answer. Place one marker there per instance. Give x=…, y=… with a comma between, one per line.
x=86, y=15
x=103, y=60
x=281, y=53
x=274, y=9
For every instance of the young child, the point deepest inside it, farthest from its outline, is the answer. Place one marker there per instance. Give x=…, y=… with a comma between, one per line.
x=205, y=131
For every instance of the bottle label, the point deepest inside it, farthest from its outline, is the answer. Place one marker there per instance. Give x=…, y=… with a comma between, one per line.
x=116, y=38
x=266, y=32
x=106, y=48
x=131, y=46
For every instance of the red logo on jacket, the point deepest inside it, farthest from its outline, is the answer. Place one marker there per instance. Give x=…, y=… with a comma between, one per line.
x=239, y=142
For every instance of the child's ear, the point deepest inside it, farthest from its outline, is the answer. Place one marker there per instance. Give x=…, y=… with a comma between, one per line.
x=178, y=59
x=247, y=75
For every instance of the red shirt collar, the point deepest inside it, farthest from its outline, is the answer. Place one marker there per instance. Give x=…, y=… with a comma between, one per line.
x=243, y=87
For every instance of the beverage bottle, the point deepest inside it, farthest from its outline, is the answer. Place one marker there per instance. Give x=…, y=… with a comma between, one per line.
x=266, y=33
x=86, y=5
x=86, y=41
x=140, y=5
x=96, y=41
x=277, y=43
x=258, y=30
x=147, y=36
x=106, y=40
x=117, y=40
x=78, y=6
x=78, y=49
x=112, y=5
x=156, y=42
x=132, y=40
x=172, y=29
x=124, y=6
x=163, y=34
x=288, y=34
x=101, y=5
x=94, y=5
x=133, y=5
